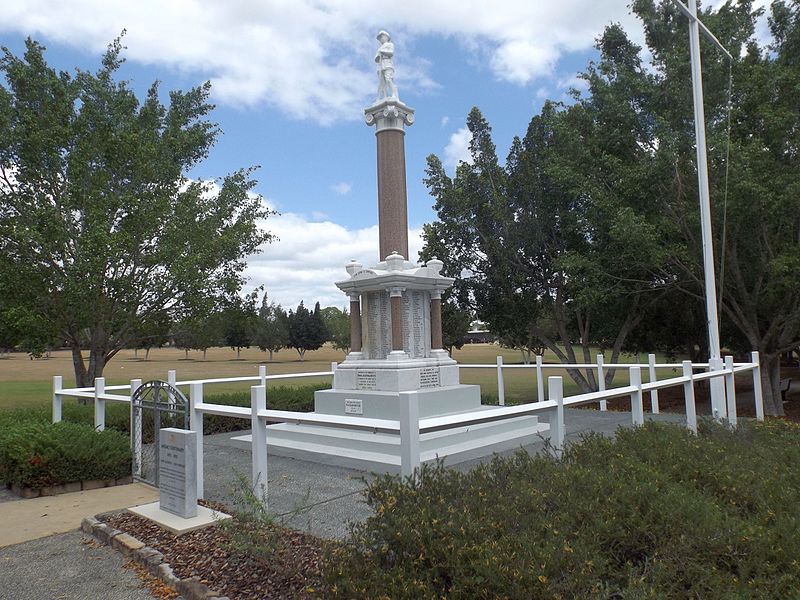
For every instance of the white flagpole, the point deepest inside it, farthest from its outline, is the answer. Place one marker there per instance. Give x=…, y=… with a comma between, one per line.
x=715, y=362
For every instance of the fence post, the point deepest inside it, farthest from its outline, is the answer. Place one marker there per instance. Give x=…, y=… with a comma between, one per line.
x=409, y=433
x=539, y=379
x=716, y=388
x=651, y=364
x=58, y=384
x=555, y=390
x=172, y=377
x=730, y=392
x=501, y=386
x=262, y=374
x=99, y=404
x=601, y=380
x=136, y=431
x=757, y=394
x=688, y=394
x=258, y=401
x=637, y=405
x=196, y=424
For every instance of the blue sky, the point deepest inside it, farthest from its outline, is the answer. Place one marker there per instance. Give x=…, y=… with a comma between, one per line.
x=291, y=78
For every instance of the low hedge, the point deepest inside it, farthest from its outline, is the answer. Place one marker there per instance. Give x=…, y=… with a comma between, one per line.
x=300, y=398
x=654, y=513
x=36, y=454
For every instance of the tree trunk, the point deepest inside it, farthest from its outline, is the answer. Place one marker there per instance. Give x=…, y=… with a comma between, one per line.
x=270, y=355
x=136, y=353
x=771, y=384
x=186, y=353
x=204, y=353
x=146, y=354
x=81, y=375
x=302, y=354
x=238, y=353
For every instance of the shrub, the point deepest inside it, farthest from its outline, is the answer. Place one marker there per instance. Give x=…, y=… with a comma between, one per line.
x=35, y=453
x=299, y=398
x=654, y=513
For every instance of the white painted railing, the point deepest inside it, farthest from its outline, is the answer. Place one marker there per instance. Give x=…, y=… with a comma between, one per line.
x=410, y=427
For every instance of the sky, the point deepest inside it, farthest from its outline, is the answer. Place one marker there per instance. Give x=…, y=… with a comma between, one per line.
x=290, y=80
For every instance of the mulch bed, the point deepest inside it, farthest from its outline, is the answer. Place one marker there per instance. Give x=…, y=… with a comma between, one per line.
x=292, y=570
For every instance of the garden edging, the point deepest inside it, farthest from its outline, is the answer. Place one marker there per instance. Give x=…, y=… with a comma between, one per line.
x=190, y=588
x=68, y=488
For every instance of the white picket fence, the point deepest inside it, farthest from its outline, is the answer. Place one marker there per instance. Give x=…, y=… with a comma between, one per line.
x=410, y=427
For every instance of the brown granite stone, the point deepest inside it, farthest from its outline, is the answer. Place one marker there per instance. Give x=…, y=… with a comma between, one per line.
x=392, y=210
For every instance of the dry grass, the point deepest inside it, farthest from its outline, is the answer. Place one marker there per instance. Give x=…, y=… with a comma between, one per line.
x=25, y=382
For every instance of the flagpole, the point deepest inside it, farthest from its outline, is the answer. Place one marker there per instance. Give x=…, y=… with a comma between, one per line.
x=715, y=362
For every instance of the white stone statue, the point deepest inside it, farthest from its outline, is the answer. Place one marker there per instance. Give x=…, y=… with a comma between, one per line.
x=383, y=57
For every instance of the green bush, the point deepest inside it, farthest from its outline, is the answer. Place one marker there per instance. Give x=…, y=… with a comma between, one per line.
x=300, y=398
x=655, y=513
x=35, y=453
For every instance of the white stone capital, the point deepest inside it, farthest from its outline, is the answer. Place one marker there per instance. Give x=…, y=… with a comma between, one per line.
x=389, y=114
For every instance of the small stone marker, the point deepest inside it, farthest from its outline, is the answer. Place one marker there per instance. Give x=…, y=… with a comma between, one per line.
x=177, y=472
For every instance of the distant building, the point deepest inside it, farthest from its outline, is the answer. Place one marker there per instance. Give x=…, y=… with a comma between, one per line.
x=478, y=334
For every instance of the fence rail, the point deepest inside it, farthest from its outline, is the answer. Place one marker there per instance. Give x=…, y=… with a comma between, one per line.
x=410, y=427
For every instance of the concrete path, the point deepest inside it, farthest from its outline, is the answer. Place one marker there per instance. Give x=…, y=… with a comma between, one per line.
x=67, y=566
x=25, y=520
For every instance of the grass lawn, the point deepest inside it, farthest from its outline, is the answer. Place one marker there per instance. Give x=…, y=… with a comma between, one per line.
x=25, y=382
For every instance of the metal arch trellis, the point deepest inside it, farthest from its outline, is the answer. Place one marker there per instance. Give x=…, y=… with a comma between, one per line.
x=154, y=405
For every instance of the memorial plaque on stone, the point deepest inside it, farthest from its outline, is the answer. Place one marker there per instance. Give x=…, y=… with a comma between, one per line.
x=429, y=377
x=366, y=380
x=378, y=325
x=414, y=324
x=177, y=472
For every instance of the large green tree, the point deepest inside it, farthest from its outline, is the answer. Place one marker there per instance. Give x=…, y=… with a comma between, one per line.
x=306, y=329
x=755, y=175
x=271, y=332
x=100, y=227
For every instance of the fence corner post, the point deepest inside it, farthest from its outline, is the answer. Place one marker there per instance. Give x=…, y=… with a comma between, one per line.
x=652, y=378
x=730, y=392
x=58, y=385
x=688, y=394
x=258, y=402
x=555, y=390
x=501, y=386
x=716, y=388
x=757, y=391
x=601, y=380
x=196, y=425
x=637, y=404
x=99, y=404
x=539, y=379
x=409, y=433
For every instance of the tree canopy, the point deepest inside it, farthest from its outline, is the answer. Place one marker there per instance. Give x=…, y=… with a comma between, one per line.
x=591, y=226
x=100, y=226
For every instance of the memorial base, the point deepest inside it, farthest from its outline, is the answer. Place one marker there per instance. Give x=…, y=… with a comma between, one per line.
x=381, y=451
x=175, y=524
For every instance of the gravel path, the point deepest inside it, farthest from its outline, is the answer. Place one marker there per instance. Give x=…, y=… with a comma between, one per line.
x=68, y=566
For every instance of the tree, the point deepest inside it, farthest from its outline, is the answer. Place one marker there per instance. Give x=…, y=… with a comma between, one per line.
x=239, y=322
x=306, y=330
x=151, y=333
x=541, y=244
x=337, y=327
x=455, y=325
x=100, y=227
x=199, y=332
x=272, y=328
x=756, y=224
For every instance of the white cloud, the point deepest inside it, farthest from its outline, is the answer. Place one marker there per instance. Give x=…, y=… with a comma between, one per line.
x=312, y=59
x=342, y=188
x=445, y=121
x=457, y=149
x=310, y=256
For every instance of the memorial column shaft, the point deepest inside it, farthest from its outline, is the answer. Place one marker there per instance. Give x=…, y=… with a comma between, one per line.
x=392, y=211
x=436, y=323
x=355, y=323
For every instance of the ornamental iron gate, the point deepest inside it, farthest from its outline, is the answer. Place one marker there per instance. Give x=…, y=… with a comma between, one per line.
x=154, y=405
